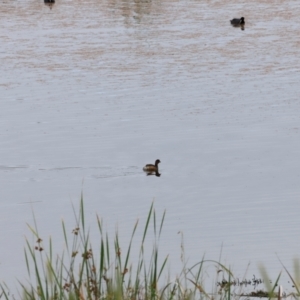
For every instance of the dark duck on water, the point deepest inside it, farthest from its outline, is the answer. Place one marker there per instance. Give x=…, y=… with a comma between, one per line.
x=238, y=23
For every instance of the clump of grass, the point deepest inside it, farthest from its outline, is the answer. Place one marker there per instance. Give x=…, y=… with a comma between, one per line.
x=271, y=292
x=83, y=272
x=294, y=278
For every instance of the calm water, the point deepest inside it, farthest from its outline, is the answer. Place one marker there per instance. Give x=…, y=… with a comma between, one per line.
x=93, y=90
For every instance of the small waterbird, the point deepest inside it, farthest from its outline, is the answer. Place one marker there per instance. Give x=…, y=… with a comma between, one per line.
x=152, y=169
x=238, y=22
x=49, y=3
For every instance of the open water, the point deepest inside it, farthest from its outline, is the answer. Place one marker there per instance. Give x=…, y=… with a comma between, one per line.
x=93, y=90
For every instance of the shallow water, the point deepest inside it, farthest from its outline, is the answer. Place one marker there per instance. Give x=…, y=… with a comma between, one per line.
x=93, y=90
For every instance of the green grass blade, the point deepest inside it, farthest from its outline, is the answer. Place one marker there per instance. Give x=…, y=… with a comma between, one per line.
x=27, y=262
x=274, y=287
x=129, y=248
x=229, y=286
x=65, y=234
x=297, y=271
x=37, y=273
x=32, y=230
x=3, y=293
x=199, y=288
x=154, y=222
x=50, y=249
x=161, y=223
x=291, y=277
x=82, y=211
x=162, y=267
x=147, y=222
x=266, y=277
x=107, y=251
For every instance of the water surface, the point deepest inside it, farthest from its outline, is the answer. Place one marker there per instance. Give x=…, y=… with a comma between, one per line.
x=91, y=91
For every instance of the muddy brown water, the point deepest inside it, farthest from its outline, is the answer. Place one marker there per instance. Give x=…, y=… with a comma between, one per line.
x=91, y=91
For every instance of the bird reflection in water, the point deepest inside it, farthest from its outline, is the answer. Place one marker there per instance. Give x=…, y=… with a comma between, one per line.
x=153, y=173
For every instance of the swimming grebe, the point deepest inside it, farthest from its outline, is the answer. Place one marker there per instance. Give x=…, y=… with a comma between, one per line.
x=150, y=169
